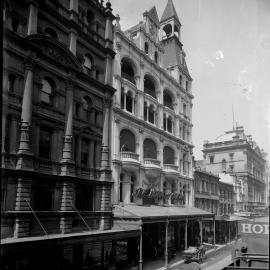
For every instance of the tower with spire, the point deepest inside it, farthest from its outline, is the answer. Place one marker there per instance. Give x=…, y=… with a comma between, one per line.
x=174, y=55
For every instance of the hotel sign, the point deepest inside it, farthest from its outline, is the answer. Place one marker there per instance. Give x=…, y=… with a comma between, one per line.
x=157, y=195
x=248, y=228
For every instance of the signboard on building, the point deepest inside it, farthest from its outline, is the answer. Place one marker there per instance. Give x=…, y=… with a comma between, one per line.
x=250, y=228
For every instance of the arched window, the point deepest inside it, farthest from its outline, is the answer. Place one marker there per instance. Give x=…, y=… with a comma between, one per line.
x=132, y=185
x=145, y=111
x=149, y=149
x=224, y=165
x=46, y=90
x=11, y=83
x=167, y=99
x=87, y=62
x=149, y=86
x=167, y=31
x=86, y=106
x=51, y=33
x=151, y=114
x=169, y=124
x=184, y=163
x=122, y=98
x=127, y=71
x=89, y=16
x=15, y=24
x=127, y=141
x=184, y=109
x=156, y=57
x=146, y=47
x=168, y=155
x=187, y=85
x=121, y=188
x=129, y=102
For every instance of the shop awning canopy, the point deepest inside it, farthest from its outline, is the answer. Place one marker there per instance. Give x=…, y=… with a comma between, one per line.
x=154, y=212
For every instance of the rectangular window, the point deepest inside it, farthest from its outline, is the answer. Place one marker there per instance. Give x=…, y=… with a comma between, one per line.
x=231, y=168
x=45, y=140
x=84, y=198
x=211, y=158
x=186, y=85
x=84, y=152
x=184, y=109
x=231, y=156
x=42, y=197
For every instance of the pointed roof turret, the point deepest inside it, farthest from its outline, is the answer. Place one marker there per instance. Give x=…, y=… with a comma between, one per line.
x=152, y=13
x=169, y=12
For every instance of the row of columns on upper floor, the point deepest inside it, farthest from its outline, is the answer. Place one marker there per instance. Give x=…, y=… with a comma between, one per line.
x=129, y=184
x=179, y=105
x=139, y=147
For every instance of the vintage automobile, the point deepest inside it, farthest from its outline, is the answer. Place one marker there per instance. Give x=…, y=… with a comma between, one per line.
x=194, y=254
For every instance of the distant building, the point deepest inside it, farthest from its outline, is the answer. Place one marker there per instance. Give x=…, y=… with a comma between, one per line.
x=206, y=191
x=238, y=155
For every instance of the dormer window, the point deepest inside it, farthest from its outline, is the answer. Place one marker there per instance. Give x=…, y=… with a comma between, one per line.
x=146, y=48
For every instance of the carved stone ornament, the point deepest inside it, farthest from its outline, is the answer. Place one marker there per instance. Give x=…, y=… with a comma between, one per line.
x=118, y=46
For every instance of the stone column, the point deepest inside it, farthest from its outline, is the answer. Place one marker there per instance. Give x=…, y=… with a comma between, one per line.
x=67, y=162
x=105, y=206
x=125, y=100
x=116, y=139
x=176, y=129
x=67, y=198
x=166, y=244
x=4, y=118
x=73, y=8
x=79, y=149
x=73, y=41
x=25, y=154
x=160, y=116
x=141, y=246
x=105, y=150
x=91, y=154
x=32, y=18
x=140, y=106
x=201, y=235
x=23, y=199
x=126, y=184
x=186, y=227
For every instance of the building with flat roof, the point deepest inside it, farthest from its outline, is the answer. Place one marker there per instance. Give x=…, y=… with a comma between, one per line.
x=236, y=154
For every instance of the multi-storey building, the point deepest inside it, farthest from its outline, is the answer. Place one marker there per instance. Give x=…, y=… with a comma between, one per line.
x=206, y=191
x=215, y=194
x=56, y=177
x=151, y=135
x=238, y=155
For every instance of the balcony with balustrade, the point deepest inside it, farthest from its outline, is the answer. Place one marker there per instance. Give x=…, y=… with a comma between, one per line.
x=130, y=160
x=171, y=171
x=152, y=167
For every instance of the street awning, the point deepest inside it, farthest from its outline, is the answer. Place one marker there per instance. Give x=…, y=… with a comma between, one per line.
x=155, y=212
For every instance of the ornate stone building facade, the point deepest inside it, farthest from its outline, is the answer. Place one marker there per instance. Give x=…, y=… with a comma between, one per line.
x=151, y=125
x=238, y=155
x=56, y=176
x=151, y=137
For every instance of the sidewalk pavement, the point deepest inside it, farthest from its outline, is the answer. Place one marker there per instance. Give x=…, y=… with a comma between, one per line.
x=216, y=259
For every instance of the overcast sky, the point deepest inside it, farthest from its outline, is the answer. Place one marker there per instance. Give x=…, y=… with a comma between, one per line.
x=227, y=43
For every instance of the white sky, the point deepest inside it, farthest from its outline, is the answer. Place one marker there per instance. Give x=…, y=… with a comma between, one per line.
x=228, y=54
